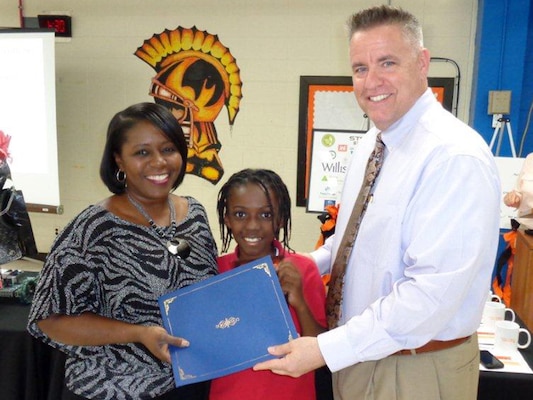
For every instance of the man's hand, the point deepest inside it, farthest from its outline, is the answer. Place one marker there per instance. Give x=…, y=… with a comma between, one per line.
x=298, y=357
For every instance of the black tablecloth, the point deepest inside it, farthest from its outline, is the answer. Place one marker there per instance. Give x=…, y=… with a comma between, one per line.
x=505, y=386
x=31, y=370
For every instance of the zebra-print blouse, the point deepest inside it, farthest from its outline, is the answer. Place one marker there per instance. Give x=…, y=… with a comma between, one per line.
x=108, y=266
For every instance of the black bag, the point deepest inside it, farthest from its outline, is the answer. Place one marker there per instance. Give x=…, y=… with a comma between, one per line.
x=5, y=173
x=9, y=246
x=16, y=234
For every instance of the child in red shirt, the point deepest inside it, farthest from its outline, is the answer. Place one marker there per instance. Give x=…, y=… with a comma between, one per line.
x=253, y=207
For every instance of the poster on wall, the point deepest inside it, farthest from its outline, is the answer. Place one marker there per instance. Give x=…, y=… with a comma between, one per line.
x=331, y=153
x=196, y=77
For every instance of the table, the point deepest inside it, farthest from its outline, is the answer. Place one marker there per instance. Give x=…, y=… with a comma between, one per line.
x=506, y=386
x=31, y=370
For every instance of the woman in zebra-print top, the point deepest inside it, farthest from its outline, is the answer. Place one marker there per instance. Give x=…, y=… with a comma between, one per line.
x=96, y=299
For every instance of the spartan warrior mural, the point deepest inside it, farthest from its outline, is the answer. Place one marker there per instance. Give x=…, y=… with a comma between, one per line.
x=196, y=76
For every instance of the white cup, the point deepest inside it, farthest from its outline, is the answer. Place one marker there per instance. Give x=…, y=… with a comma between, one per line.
x=493, y=312
x=493, y=297
x=507, y=337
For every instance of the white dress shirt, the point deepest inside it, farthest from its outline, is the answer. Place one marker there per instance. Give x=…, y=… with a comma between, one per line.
x=422, y=261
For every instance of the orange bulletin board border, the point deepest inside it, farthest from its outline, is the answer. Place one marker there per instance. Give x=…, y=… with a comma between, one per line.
x=443, y=89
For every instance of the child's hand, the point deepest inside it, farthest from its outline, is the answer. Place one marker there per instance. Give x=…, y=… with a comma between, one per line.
x=291, y=283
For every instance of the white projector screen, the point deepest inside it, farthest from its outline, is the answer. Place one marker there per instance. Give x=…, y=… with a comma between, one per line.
x=28, y=113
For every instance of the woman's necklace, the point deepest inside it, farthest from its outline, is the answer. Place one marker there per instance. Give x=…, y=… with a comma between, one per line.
x=160, y=230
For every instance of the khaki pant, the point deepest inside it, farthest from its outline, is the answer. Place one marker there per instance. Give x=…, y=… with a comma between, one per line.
x=451, y=374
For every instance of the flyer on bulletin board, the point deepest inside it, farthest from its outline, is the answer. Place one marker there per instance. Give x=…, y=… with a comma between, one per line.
x=330, y=156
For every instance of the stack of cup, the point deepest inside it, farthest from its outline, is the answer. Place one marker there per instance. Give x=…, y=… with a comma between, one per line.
x=497, y=318
x=493, y=311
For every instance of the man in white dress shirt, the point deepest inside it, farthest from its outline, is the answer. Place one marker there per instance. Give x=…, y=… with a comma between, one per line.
x=420, y=268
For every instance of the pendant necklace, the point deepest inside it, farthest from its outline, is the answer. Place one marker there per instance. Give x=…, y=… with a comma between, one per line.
x=160, y=230
x=176, y=246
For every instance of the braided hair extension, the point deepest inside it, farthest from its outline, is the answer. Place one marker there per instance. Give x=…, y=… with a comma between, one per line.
x=272, y=184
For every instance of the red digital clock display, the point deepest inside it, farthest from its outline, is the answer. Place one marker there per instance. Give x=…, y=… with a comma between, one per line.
x=61, y=24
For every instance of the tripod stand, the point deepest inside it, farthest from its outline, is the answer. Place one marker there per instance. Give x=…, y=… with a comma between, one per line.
x=503, y=123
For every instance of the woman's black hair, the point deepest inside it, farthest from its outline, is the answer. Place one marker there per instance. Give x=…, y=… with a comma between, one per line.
x=272, y=184
x=155, y=114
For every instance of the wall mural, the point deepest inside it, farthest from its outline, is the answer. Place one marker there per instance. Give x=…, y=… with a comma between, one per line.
x=196, y=76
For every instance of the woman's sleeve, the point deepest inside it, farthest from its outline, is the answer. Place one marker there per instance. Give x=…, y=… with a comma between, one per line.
x=66, y=285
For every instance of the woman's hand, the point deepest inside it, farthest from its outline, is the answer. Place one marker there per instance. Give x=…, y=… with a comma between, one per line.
x=90, y=329
x=156, y=340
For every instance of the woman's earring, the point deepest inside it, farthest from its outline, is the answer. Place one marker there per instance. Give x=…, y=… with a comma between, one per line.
x=121, y=176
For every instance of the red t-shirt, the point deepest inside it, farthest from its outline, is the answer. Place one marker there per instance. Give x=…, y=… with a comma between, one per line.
x=265, y=385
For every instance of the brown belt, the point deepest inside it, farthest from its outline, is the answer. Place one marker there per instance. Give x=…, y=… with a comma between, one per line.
x=433, y=345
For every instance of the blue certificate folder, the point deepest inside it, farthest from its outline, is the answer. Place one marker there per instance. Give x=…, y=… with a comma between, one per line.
x=229, y=320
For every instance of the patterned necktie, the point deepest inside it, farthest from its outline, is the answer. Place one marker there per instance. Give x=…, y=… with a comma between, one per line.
x=334, y=297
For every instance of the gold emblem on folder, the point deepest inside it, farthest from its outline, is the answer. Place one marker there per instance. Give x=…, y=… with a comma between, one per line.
x=185, y=376
x=264, y=267
x=168, y=302
x=228, y=322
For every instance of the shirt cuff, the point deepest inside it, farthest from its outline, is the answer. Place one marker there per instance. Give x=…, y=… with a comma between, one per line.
x=335, y=348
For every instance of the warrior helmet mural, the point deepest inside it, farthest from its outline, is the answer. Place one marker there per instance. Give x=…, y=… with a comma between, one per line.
x=196, y=76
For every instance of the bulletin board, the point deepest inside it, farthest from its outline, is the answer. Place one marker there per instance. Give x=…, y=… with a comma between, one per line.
x=328, y=103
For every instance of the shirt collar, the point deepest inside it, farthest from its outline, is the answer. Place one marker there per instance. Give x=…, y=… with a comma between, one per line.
x=397, y=131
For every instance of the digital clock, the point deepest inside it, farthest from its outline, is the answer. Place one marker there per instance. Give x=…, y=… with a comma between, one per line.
x=61, y=24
